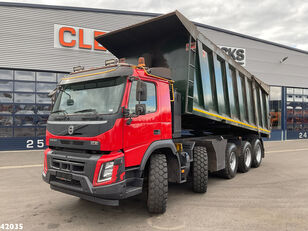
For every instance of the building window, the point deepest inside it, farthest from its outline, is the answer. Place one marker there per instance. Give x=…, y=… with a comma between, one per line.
x=45, y=87
x=6, y=109
x=40, y=131
x=24, y=104
x=24, y=98
x=24, y=132
x=25, y=86
x=43, y=109
x=24, y=120
x=46, y=77
x=6, y=74
x=305, y=110
x=6, y=121
x=6, y=132
x=25, y=109
x=297, y=106
x=25, y=75
x=275, y=107
x=6, y=85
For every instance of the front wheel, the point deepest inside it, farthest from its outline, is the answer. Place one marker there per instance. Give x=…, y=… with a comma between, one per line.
x=157, y=184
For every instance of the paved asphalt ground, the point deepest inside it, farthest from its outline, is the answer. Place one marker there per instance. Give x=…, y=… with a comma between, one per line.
x=271, y=197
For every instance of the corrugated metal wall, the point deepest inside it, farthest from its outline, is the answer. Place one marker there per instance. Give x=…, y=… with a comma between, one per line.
x=27, y=42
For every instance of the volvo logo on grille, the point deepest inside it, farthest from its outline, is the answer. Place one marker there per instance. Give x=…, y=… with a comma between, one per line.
x=70, y=130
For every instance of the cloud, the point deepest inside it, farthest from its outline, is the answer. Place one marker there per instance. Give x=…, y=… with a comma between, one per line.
x=281, y=21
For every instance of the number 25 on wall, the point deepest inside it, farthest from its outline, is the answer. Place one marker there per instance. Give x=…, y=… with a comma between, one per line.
x=39, y=143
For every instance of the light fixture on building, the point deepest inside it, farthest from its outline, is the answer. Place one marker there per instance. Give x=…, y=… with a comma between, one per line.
x=284, y=59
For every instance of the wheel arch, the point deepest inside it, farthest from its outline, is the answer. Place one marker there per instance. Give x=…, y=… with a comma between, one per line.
x=168, y=148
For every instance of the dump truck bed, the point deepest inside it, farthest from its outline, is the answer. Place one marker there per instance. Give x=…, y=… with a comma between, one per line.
x=216, y=92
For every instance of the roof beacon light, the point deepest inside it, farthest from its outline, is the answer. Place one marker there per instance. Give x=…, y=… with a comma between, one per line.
x=78, y=68
x=141, y=62
x=109, y=62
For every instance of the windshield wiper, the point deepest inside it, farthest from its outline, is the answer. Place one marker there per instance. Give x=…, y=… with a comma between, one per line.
x=87, y=110
x=64, y=112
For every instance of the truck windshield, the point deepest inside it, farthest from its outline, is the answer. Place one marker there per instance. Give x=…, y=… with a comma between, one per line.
x=99, y=96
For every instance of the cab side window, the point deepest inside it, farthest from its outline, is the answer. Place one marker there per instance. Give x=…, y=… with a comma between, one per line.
x=151, y=98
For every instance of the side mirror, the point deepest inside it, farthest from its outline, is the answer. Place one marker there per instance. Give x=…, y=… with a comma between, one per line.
x=70, y=102
x=125, y=112
x=140, y=109
x=141, y=91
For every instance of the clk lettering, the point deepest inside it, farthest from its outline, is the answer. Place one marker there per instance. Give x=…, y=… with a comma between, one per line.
x=77, y=38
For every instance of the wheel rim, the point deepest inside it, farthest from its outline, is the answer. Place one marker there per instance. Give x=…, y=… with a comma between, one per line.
x=247, y=157
x=258, y=154
x=232, y=161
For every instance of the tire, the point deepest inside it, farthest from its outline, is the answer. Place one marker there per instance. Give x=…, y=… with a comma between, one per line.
x=200, y=170
x=245, y=159
x=157, y=184
x=257, y=153
x=231, y=162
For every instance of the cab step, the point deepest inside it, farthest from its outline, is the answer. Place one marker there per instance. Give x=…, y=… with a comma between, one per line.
x=132, y=191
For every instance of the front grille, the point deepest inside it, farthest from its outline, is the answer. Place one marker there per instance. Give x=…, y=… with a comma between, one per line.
x=78, y=142
x=73, y=182
x=68, y=165
x=72, y=142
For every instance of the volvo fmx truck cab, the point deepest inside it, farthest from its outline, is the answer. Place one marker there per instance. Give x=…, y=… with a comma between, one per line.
x=181, y=108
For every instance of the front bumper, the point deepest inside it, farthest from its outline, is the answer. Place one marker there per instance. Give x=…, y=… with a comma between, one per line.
x=73, y=173
x=81, y=186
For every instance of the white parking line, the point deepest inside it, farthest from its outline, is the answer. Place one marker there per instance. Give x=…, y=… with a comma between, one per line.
x=289, y=150
x=22, y=166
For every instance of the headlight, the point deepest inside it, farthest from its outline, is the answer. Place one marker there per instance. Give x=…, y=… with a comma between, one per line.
x=105, y=173
x=109, y=169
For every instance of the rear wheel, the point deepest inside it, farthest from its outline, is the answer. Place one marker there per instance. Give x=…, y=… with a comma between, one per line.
x=245, y=159
x=231, y=162
x=257, y=153
x=200, y=170
x=157, y=184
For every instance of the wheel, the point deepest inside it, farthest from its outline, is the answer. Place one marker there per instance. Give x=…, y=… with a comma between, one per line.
x=157, y=184
x=245, y=158
x=200, y=170
x=257, y=153
x=231, y=162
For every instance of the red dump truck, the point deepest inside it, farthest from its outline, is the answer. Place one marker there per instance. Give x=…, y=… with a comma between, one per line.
x=180, y=109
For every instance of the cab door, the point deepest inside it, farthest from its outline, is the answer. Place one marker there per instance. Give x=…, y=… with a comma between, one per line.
x=142, y=130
